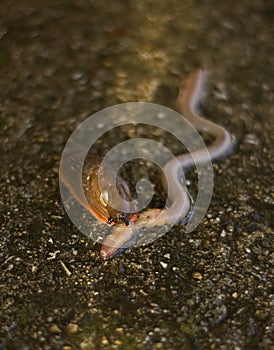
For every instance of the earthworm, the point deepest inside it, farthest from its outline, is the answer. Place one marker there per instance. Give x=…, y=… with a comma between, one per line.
x=189, y=97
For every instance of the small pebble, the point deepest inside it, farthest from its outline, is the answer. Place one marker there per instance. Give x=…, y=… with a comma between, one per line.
x=197, y=276
x=54, y=329
x=223, y=234
x=72, y=328
x=104, y=341
x=34, y=268
x=164, y=265
x=117, y=342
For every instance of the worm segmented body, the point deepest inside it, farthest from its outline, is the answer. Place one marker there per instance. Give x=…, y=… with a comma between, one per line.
x=125, y=226
x=189, y=97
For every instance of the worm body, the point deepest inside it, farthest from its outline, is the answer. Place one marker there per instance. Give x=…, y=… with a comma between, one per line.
x=125, y=226
x=189, y=97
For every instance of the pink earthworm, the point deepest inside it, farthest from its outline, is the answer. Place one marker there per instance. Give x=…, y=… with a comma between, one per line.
x=189, y=97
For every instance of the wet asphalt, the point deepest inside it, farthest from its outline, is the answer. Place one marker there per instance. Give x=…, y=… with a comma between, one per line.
x=61, y=61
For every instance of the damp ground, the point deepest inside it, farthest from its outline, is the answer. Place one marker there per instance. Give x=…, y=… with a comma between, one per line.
x=209, y=289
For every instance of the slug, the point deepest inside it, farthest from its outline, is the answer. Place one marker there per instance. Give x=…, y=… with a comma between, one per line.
x=99, y=201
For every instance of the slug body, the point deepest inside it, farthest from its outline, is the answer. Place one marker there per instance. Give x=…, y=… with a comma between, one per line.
x=99, y=200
